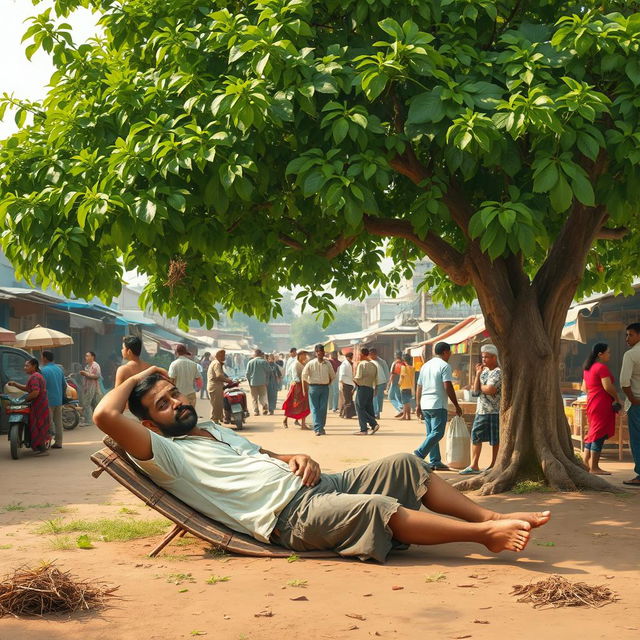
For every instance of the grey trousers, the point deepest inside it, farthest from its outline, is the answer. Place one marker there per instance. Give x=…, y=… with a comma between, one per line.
x=55, y=421
x=259, y=397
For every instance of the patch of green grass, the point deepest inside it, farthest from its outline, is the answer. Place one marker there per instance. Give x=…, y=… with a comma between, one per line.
x=530, y=486
x=108, y=529
x=184, y=542
x=179, y=578
x=301, y=584
x=131, y=512
x=18, y=506
x=293, y=558
x=546, y=544
x=214, y=579
x=50, y=526
x=62, y=543
x=6, y=546
x=216, y=554
x=66, y=509
x=435, y=577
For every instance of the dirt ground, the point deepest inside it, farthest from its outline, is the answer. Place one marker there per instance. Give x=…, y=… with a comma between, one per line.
x=450, y=591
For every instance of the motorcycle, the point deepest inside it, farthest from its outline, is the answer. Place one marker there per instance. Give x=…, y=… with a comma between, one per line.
x=71, y=409
x=17, y=410
x=235, y=404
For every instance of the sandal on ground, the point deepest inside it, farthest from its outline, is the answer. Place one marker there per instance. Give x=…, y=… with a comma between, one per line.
x=632, y=483
x=469, y=471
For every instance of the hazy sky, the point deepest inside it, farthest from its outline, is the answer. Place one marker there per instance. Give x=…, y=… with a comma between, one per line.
x=17, y=75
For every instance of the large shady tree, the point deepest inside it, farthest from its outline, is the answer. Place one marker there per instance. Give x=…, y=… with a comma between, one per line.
x=228, y=149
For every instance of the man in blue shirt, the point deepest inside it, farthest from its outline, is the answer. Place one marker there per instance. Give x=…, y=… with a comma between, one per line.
x=56, y=387
x=257, y=375
x=434, y=387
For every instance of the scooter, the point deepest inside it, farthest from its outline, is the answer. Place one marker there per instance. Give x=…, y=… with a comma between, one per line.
x=71, y=408
x=235, y=404
x=17, y=410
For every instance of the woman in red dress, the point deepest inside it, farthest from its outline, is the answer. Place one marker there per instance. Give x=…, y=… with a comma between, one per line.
x=602, y=404
x=296, y=404
x=36, y=389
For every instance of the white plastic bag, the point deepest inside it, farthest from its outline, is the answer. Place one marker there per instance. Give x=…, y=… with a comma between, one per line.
x=458, y=454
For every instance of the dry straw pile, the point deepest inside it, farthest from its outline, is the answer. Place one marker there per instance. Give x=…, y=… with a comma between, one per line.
x=46, y=589
x=557, y=591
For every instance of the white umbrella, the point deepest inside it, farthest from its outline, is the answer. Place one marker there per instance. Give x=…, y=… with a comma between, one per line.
x=42, y=338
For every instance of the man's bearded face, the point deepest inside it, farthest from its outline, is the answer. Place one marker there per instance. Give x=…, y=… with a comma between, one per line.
x=185, y=420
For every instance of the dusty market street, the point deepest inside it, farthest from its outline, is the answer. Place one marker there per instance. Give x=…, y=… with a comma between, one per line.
x=453, y=591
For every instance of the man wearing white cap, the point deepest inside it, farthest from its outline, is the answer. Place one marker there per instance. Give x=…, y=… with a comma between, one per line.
x=487, y=386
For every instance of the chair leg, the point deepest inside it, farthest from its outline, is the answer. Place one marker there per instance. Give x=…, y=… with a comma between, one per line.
x=177, y=529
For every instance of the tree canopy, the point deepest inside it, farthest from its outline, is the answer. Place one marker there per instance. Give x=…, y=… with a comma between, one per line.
x=228, y=149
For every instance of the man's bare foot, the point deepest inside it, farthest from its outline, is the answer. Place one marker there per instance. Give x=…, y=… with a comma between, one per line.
x=599, y=472
x=506, y=535
x=534, y=518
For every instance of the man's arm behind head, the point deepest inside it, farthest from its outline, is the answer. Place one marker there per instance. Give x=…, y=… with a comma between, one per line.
x=129, y=433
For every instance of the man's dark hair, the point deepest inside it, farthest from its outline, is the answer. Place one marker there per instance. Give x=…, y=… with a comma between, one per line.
x=139, y=391
x=319, y=347
x=373, y=350
x=93, y=353
x=408, y=358
x=634, y=326
x=292, y=350
x=34, y=363
x=181, y=349
x=349, y=354
x=133, y=343
x=47, y=355
x=364, y=351
x=442, y=347
x=399, y=355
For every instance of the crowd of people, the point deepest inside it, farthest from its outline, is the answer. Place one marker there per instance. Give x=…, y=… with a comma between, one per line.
x=316, y=384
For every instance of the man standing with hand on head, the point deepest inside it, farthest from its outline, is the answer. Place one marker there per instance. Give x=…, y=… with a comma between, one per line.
x=487, y=387
x=434, y=387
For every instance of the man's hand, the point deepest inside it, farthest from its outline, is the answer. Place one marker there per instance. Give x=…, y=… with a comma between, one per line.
x=458, y=410
x=419, y=412
x=305, y=468
x=147, y=372
x=479, y=368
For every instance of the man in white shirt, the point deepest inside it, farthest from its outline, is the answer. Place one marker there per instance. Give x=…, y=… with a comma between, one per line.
x=345, y=379
x=434, y=387
x=183, y=372
x=317, y=375
x=630, y=383
x=284, y=498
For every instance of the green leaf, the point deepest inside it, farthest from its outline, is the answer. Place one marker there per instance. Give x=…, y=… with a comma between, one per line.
x=313, y=182
x=177, y=201
x=339, y=130
x=546, y=179
x=583, y=190
x=84, y=542
x=561, y=195
x=632, y=70
x=426, y=107
x=145, y=210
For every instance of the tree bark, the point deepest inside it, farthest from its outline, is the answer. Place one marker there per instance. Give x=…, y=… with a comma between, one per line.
x=535, y=440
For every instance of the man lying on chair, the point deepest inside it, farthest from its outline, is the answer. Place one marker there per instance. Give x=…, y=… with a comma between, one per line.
x=284, y=498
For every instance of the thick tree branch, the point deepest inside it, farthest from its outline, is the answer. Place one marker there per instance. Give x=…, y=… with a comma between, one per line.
x=607, y=233
x=558, y=278
x=441, y=252
x=339, y=246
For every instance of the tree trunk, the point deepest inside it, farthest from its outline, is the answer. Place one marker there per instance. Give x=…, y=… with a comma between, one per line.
x=535, y=440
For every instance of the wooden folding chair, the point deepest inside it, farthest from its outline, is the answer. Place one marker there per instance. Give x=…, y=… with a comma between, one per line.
x=115, y=461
